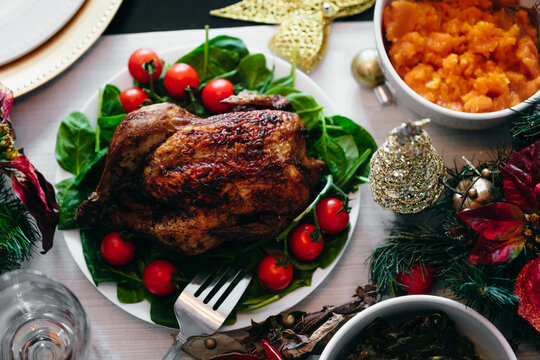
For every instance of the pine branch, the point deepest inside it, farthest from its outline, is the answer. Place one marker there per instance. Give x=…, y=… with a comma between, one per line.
x=18, y=233
x=488, y=289
x=526, y=128
x=408, y=245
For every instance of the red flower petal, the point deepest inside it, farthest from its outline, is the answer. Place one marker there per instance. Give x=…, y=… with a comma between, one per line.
x=527, y=288
x=495, y=221
x=6, y=101
x=37, y=194
x=521, y=176
x=518, y=188
x=487, y=252
x=270, y=352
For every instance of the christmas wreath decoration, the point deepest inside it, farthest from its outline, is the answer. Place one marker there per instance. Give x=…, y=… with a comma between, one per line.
x=23, y=192
x=480, y=240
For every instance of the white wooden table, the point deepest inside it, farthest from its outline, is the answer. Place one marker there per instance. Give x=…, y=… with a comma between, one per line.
x=36, y=117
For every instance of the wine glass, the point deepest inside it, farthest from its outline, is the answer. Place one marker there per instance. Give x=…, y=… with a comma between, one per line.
x=40, y=319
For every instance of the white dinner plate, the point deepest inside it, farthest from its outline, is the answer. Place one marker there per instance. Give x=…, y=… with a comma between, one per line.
x=26, y=24
x=142, y=310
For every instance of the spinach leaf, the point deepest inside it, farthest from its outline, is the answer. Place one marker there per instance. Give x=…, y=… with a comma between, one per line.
x=303, y=104
x=92, y=171
x=69, y=198
x=358, y=170
x=362, y=137
x=68, y=205
x=110, y=102
x=162, y=310
x=91, y=242
x=224, y=55
x=108, y=125
x=333, y=155
x=129, y=295
x=129, y=275
x=252, y=73
x=333, y=244
x=349, y=147
x=284, y=82
x=75, y=142
x=73, y=191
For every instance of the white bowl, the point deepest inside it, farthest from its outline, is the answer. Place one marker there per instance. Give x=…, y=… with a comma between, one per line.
x=425, y=108
x=488, y=340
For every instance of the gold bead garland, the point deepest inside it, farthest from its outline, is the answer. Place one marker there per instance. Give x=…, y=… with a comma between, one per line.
x=304, y=24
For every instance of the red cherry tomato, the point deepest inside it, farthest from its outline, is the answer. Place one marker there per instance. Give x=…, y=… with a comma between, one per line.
x=215, y=91
x=136, y=61
x=302, y=245
x=132, y=98
x=178, y=78
x=331, y=216
x=419, y=281
x=272, y=275
x=157, y=277
x=116, y=251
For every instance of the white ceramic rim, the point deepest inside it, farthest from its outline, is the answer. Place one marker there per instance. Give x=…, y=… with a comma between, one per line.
x=141, y=310
x=408, y=299
x=387, y=65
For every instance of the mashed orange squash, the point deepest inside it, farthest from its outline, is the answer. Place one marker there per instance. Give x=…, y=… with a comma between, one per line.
x=466, y=55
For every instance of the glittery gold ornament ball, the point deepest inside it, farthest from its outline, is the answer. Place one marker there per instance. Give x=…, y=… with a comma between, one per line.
x=406, y=171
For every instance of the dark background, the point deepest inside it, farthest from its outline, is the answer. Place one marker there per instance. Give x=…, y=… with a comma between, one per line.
x=150, y=15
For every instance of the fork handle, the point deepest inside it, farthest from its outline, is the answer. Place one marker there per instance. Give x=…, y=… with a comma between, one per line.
x=175, y=348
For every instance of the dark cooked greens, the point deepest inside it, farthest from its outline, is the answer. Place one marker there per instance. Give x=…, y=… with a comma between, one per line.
x=344, y=145
x=431, y=336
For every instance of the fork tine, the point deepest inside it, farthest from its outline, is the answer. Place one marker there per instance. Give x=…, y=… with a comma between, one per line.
x=215, y=281
x=230, y=301
x=197, y=282
x=223, y=289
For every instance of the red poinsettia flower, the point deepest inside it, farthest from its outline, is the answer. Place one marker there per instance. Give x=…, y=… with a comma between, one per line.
x=526, y=287
x=504, y=227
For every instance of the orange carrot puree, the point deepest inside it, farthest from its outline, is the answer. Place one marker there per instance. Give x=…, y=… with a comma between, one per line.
x=466, y=55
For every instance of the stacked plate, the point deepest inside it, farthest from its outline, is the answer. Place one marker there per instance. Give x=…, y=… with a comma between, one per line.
x=40, y=39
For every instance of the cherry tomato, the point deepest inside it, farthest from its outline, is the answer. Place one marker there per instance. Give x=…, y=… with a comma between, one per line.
x=178, y=78
x=132, y=98
x=331, y=216
x=302, y=245
x=215, y=91
x=157, y=277
x=419, y=281
x=272, y=275
x=136, y=61
x=116, y=251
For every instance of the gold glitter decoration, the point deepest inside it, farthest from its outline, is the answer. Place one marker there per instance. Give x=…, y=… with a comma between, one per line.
x=304, y=24
x=406, y=170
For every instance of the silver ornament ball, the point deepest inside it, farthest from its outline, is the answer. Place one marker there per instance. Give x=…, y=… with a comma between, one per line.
x=366, y=69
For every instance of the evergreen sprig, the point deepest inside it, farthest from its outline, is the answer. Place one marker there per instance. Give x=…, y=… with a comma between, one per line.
x=488, y=289
x=526, y=127
x=409, y=244
x=17, y=232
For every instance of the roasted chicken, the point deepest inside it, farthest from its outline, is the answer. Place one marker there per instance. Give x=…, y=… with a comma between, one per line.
x=192, y=183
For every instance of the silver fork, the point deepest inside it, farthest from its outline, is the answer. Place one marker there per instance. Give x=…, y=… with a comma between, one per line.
x=204, y=305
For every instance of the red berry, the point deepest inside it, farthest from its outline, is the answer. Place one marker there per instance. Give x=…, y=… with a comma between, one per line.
x=419, y=280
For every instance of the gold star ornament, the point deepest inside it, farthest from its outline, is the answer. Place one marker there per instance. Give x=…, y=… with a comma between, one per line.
x=304, y=24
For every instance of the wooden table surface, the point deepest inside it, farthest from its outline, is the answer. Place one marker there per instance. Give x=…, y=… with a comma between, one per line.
x=37, y=115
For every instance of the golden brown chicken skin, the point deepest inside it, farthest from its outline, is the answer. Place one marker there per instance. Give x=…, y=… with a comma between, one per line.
x=235, y=176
